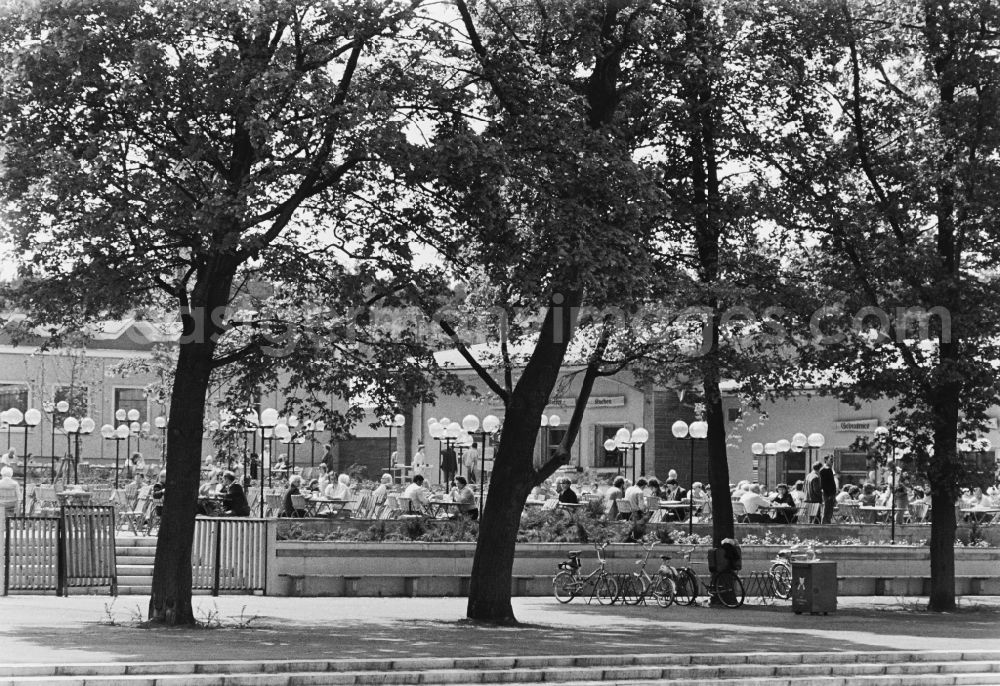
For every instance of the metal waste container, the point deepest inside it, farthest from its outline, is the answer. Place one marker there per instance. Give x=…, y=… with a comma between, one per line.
x=814, y=586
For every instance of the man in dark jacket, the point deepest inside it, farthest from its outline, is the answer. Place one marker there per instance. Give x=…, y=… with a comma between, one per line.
x=234, y=499
x=814, y=493
x=829, y=485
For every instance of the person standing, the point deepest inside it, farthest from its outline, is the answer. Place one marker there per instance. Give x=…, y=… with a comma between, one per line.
x=449, y=463
x=828, y=482
x=328, y=459
x=419, y=462
x=814, y=494
x=471, y=461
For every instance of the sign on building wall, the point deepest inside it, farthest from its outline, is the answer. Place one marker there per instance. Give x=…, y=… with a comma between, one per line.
x=592, y=401
x=856, y=425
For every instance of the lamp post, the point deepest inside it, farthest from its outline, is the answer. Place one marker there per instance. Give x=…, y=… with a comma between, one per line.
x=814, y=441
x=546, y=422
x=757, y=449
x=490, y=425
x=638, y=440
x=883, y=435
x=284, y=435
x=313, y=428
x=268, y=420
x=695, y=431
x=111, y=434
x=161, y=424
x=31, y=417
x=72, y=425
x=781, y=446
x=397, y=420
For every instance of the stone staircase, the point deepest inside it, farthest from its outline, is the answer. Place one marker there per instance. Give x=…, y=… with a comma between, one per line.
x=883, y=668
x=135, y=557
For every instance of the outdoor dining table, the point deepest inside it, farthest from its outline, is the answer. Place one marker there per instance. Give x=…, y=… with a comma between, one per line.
x=780, y=512
x=981, y=514
x=320, y=505
x=443, y=507
x=74, y=497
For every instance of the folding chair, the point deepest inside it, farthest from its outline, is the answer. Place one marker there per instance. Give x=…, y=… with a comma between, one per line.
x=849, y=513
x=740, y=513
x=624, y=509
x=917, y=512
x=273, y=504
x=808, y=512
x=46, y=500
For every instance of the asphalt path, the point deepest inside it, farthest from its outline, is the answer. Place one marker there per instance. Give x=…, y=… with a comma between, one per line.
x=47, y=629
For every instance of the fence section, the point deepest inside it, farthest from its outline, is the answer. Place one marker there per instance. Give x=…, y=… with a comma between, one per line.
x=229, y=555
x=88, y=538
x=31, y=554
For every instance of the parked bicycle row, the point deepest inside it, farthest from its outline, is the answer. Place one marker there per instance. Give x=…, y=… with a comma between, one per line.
x=674, y=584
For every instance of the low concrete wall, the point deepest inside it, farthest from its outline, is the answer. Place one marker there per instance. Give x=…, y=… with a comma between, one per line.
x=320, y=568
x=916, y=534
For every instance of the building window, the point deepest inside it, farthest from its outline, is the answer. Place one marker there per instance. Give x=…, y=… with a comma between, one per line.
x=131, y=399
x=555, y=437
x=13, y=395
x=734, y=414
x=602, y=457
x=78, y=399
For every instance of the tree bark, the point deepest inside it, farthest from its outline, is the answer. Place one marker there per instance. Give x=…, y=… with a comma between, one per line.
x=170, y=600
x=513, y=475
x=706, y=203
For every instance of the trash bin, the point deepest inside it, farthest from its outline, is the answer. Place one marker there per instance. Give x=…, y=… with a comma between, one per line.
x=814, y=586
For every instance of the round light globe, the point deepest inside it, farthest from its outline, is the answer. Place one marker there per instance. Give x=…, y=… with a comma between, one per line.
x=470, y=422
x=269, y=417
x=87, y=425
x=816, y=440
x=32, y=417
x=610, y=446
x=555, y=420
x=491, y=423
x=770, y=448
x=783, y=446
x=757, y=448
x=698, y=429
x=640, y=436
x=108, y=431
x=679, y=429
x=71, y=425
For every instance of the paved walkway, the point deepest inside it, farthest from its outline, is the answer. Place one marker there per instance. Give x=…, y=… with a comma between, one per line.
x=47, y=629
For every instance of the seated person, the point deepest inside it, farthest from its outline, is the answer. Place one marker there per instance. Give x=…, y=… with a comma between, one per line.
x=752, y=501
x=615, y=491
x=382, y=490
x=798, y=493
x=654, y=488
x=339, y=489
x=234, y=498
x=10, y=491
x=674, y=492
x=287, y=508
x=463, y=495
x=159, y=491
x=566, y=492
x=634, y=494
x=281, y=468
x=845, y=494
x=868, y=496
x=783, y=497
x=417, y=494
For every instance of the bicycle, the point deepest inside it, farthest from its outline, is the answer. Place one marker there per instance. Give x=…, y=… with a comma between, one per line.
x=725, y=586
x=567, y=584
x=640, y=585
x=781, y=569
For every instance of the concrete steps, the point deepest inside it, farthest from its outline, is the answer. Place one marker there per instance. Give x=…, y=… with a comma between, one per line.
x=884, y=668
x=135, y=557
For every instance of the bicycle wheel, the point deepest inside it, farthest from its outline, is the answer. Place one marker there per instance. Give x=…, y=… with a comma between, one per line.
x=728, y=588
x=685, y=587
x=664, y=591
x=606, y=590
x=781, y=578
x=564, y=587
x=631, y=589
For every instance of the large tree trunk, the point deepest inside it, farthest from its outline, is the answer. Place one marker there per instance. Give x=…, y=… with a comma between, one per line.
x=170, y=600
x=718, y=460
x=513, y=474
x=942, y=474
x=706, y=204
